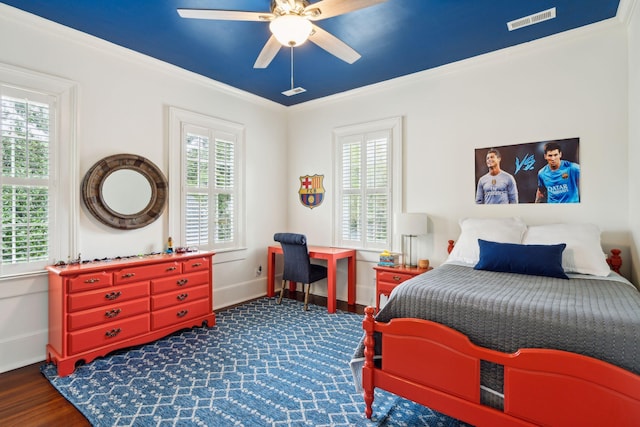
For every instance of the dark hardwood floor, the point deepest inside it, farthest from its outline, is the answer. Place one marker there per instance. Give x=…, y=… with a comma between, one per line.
x=27, y=399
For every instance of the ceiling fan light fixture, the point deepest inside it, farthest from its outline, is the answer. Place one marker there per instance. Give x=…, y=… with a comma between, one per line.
x=291, y=30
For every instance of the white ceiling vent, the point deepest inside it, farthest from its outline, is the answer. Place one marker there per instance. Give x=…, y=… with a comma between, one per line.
x=294, y=91
x=536, y=18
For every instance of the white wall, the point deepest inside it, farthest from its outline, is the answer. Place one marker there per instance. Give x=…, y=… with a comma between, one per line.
x=634, y=134
x=571, y=85
x=122, y=105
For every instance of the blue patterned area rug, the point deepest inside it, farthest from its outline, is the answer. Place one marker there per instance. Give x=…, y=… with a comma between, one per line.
x=263, y=364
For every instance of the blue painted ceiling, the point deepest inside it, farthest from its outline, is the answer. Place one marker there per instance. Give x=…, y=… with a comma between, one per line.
x=395, y=38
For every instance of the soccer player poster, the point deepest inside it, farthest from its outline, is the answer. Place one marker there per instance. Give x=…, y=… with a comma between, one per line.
x=535, y=172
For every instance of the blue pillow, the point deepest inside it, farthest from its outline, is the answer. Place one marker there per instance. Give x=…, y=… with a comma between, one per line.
x=536, y=260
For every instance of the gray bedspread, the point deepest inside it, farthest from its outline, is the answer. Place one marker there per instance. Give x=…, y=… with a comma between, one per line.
x=502, y=311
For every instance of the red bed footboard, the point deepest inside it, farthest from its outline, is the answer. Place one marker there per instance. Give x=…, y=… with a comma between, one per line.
x=439, y=367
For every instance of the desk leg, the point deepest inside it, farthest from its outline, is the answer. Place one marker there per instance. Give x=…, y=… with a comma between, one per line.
x=351, y=285
x=332, y=273
x=271, y=272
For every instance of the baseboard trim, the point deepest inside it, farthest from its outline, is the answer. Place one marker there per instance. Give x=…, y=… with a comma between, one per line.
x=28, y=349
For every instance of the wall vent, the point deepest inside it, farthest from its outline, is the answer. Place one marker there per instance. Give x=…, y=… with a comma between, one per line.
x=536, y=18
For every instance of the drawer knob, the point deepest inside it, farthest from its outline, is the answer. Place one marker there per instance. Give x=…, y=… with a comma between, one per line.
x=182, y=282
x=182, y=313
x=94, y=280
x=397, y=278
x=196, y=264
x=172, y=268
x=113, y=295
x=113, y=333
x=112, y=313
x=127, y=275
x=182, y=297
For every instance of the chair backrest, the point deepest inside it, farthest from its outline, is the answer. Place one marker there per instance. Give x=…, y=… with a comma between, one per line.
x=297, y=266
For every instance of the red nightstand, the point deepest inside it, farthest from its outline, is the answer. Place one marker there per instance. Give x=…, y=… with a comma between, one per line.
x=388, y=278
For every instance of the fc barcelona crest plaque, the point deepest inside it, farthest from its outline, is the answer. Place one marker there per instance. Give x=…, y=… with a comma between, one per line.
x=311, y=190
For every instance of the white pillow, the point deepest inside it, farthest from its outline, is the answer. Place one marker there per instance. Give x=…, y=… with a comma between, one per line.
x=583, y=253
x=501, y=230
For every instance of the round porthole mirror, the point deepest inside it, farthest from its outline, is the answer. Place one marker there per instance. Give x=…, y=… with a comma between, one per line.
x=125, y=191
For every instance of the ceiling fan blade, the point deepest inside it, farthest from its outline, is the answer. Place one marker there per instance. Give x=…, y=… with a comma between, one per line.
x=225, y=15
x=329, y=8
x=268, y=52
x=333, y=45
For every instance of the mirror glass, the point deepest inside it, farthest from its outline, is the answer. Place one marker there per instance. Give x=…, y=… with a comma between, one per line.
x=126, y=191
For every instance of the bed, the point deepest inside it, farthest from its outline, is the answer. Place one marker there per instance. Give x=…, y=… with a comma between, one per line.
x=489, y=346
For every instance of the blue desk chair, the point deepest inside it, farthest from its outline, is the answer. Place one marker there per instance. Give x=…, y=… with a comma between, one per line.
x=297, y=265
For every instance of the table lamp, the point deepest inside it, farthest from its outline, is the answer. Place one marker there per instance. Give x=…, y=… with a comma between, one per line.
x=410, y=225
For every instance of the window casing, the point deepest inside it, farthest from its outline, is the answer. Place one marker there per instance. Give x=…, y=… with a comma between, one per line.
x=368, y=184
x=210, y=204
x=37, y=143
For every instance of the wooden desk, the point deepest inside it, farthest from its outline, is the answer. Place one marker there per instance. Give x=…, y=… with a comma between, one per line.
x=332, y=255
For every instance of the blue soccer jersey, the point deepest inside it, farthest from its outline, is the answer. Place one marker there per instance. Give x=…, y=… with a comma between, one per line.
x=560, y=185
x=496, y=189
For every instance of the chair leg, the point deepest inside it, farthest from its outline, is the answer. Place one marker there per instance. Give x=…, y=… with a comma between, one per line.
x=306, y=297
x=284, y=282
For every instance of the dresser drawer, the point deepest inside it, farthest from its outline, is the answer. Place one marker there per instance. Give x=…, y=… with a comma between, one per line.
x=86, y=282
x=168, y=299
x=180, y=281
x=106, y=314
x=195, y=264
x=137, y=274
x=393, y=277
x=107, y=334
x=179, y=313
x=107, y=296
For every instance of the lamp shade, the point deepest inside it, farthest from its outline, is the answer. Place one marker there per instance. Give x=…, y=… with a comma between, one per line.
x=291, y=30
x=411, y=224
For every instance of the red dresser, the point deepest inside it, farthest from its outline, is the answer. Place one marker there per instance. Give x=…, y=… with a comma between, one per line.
x=98, y=307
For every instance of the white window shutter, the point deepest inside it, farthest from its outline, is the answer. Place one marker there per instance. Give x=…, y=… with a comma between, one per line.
x=210, y=177
x=25, y=129
x=368, y=173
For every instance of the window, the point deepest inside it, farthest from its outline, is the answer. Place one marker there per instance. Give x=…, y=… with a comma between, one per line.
x=33, y=231
x=368, y=183
x=26, y=129
x=209, y=169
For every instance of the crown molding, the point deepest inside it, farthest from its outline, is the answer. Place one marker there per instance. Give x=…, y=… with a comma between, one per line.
x=37, y=23
x=495, y=57
x=626, y=9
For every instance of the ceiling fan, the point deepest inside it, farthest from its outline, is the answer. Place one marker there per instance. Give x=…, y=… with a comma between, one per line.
x=290, y=25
